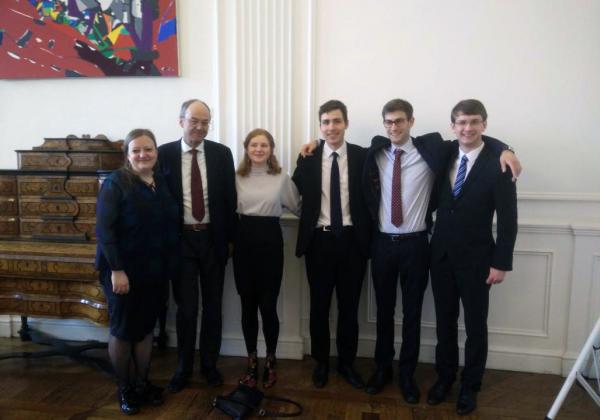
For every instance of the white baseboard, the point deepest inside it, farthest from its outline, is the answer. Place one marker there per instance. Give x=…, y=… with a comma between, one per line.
x=540, y=361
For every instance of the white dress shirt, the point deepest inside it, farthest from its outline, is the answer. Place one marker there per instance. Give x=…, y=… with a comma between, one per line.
x=186, y=180
x=325, y=216
x=417, y=183
x=472, y=156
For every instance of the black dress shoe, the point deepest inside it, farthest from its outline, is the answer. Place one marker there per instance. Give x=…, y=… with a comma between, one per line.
x=467, y=401
x=213, y=377
x=438, y=392
x=379, y=379
x=351, y=376
x=320, y=375
x=178, y=382
x=128, y=402
x=409, y=389
x=148, y=393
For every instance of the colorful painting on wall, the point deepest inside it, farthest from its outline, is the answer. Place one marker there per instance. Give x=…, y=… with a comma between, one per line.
x=87, y=38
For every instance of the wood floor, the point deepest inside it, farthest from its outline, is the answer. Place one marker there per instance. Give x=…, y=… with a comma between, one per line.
x=58, y=388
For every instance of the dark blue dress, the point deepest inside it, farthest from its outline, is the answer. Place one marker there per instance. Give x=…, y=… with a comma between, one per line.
x=137, y=231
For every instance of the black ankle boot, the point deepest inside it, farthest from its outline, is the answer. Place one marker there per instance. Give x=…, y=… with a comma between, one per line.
x=128, y=401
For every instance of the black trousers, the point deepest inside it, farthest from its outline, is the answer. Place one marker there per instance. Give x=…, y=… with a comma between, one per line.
x=201, y=269
x=258, y=269
x=334, y=263
x=452, y=285
x=408, y=257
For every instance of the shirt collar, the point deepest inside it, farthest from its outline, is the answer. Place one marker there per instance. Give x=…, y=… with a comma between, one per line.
x=327, y=151
x=185, y=148
x=473, y=154
x=406, y=147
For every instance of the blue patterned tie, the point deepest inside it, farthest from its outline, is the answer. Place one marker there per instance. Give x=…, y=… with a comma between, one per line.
x=460, y=176
x=334, y=197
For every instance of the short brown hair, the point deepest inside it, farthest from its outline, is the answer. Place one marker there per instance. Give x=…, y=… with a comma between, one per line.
x=468, y=107
x=332, y=105
x=398, y=105
x=246, y=163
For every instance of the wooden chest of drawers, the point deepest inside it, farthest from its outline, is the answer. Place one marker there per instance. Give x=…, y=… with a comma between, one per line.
x=47, y=229
x=51, y=280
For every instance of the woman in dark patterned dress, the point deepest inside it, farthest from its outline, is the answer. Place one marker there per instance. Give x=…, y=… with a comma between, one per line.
x=136, y=221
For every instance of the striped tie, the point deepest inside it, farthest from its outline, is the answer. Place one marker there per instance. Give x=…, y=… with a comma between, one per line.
x=460, y=176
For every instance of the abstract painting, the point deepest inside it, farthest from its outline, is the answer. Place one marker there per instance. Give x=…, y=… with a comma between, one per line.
x=87, y=38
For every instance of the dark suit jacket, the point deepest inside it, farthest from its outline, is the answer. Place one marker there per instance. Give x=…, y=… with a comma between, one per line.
x=433, y=149
x=307, y=178
x=463, y=226
x=222, y=199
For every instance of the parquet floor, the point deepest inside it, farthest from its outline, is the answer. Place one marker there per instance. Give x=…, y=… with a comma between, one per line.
x=58, y=388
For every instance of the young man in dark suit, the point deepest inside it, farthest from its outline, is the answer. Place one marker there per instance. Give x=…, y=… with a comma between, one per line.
x=400, y=173
x=201, y=177
x=333, y=235
x=465, y=259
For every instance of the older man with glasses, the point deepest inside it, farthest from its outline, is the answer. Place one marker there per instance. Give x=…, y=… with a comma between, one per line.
x=201, y=177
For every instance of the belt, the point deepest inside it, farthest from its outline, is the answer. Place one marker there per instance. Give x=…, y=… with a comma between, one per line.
x=395, y=237
x=329, y=229
x=196, y=227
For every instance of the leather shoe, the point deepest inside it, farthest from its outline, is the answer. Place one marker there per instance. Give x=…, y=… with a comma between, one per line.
x=148, y=393
x=379, y=379
x=128, y=402
x=438, y=392
x=320, y=375
x=178, y=382
x=351, y=376
x=409, y=389
x=213, y=377
x=467, y=401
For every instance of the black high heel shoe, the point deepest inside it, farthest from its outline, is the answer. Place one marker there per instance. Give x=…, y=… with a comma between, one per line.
x=251, y=377
x=269, y=374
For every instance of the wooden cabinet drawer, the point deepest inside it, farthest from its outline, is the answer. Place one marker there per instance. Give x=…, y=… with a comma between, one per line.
x=9, y=226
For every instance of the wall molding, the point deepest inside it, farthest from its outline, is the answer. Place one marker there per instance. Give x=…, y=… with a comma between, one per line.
x=558, y=196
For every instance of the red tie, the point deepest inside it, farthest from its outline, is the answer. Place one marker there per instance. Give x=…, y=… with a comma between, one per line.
x=197, y=191
x=397, y=190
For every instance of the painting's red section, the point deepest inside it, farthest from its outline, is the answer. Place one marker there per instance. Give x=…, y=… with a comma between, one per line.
x=49, y=51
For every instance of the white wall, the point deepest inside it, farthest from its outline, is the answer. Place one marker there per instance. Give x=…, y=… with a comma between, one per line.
x=535, y=64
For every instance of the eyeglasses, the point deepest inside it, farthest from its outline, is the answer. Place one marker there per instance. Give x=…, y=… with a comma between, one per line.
x=473, y=123
x=198, y=123
x=397, y=123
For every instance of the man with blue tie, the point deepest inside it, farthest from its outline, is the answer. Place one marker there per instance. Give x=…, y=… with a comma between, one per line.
x=333, y=236
x=400, y=174
x=465, y=259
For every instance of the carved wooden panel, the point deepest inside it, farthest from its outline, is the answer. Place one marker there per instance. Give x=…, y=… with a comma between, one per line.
x=32, y=227
x=8, y=185
x=23, y=306
x=50, y=279
x=69, y=161
x=38, y=207
x=89, y=289
x=9, y=226
x=83, y=186
x=76, y=186
x=50, y=161
x=9, y=206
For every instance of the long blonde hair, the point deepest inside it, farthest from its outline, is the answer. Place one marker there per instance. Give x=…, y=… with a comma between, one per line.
x=246, y=164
